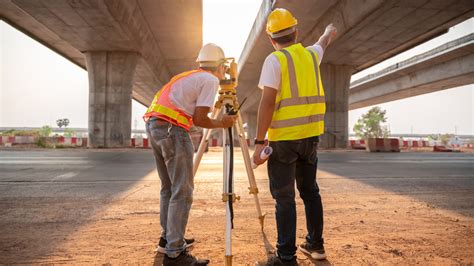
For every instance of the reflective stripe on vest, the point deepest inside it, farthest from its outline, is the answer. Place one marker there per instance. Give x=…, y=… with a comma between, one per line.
x=163, y=108
x=300, y=104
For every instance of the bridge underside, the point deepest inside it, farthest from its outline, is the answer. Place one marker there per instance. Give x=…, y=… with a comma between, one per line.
x=133, y=48
x=368, y=33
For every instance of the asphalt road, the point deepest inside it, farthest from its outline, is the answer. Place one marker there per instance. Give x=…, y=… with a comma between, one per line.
x=49, y=195
x=442, y=179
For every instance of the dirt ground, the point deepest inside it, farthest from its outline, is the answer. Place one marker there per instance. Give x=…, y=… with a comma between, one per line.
x=366, y=226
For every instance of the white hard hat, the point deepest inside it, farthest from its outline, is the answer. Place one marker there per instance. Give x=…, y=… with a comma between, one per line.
x=210, y=55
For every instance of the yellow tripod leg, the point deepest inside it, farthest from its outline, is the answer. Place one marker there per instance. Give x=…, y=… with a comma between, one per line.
x=204, y=141
x=253, y=189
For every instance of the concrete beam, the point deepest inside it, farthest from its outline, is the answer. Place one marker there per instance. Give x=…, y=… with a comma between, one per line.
x=369, y=32
x=251, y=60
x=447, y=66
x=110, y=97
x=166, y=33
x=313, y=16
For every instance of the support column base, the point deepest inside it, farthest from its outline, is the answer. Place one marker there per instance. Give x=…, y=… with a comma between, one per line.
x=110, y=97
x=336, y=82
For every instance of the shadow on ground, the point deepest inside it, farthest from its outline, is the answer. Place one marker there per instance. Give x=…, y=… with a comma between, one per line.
x=48, y=196
x=439, y=179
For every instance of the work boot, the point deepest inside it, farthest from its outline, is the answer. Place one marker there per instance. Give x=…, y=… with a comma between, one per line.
x=184, y=259
x=317, y=254
x=277, y=261
x=161, y=247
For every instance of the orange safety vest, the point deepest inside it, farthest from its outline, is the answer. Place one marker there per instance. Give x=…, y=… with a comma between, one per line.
x=163, y=108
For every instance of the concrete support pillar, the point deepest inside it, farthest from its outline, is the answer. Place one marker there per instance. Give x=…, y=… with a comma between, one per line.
x=110, y=97
x=251, y=120
x=336, y=81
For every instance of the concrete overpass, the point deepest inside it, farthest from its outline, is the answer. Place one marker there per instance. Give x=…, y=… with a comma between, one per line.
x=368, y=33
x=447, y=66
x=129, y=48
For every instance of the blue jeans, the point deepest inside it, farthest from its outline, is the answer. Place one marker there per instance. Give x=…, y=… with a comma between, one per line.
x=291, y=161
x=173, y=152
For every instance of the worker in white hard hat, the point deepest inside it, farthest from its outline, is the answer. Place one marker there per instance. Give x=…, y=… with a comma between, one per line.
x=183, y=102
x=292, y=111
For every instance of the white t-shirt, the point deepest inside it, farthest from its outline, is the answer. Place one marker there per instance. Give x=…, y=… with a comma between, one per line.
x=271, y=70
x=197, y=89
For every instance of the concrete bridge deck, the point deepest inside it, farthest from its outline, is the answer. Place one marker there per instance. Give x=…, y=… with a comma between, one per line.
x=447, y=66
x=166, y=34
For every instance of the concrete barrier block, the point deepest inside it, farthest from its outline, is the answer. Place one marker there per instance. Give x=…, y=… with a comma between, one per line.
x=441, y=148
x=67, y=141
x=139, y=142
x=383, y=145
x=358, y=144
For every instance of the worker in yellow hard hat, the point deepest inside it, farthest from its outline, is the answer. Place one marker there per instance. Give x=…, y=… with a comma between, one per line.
x=292, y=111
x=183, y=102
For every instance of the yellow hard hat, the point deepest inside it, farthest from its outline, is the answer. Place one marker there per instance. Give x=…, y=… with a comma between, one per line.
x=278, y=20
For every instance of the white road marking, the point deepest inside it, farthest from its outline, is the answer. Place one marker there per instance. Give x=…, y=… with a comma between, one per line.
x=41, y=157
x=43, y=160
x=55, y=162
x=65, y=176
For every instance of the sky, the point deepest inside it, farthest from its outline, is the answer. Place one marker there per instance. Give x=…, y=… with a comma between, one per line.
x=38, y=86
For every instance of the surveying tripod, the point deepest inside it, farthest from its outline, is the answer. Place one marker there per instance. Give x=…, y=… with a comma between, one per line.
x=228, y=99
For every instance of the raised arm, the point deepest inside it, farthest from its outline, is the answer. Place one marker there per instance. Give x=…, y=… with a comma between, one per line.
x=329, y=33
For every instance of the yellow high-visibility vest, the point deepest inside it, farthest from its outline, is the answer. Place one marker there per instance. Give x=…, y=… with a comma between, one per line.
x=300, y=104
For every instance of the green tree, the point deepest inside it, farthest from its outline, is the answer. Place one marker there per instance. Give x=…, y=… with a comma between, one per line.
x=45, y=131
x=369, y=125
x=445, y=138
x=62, y=122
x=69, y=132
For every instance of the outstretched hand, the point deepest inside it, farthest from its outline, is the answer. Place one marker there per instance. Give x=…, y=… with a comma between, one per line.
x=329, y=34
x=331, y=30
